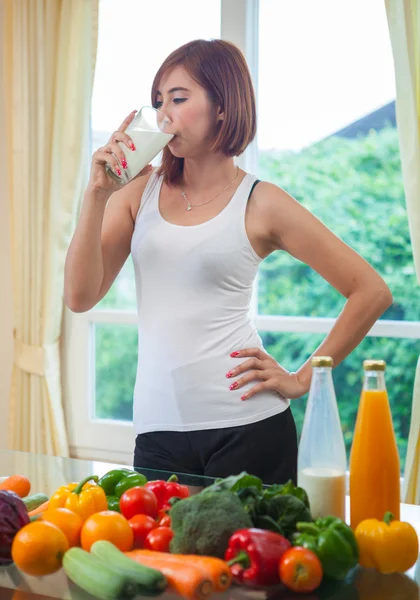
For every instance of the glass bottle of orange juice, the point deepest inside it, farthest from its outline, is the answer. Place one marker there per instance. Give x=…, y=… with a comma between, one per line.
x=374, y=460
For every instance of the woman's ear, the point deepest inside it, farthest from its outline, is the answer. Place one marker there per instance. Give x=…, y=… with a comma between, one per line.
x=220, y=114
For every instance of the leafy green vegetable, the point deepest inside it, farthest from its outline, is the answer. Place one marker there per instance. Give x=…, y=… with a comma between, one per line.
x=277, y=507
x=234, y=483
x=278, y=513
x=287, y=488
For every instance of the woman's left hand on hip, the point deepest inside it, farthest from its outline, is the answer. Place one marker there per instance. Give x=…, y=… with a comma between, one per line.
x=261, y=366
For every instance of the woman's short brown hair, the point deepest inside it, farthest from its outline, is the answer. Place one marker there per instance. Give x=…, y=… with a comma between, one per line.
x=220, y=68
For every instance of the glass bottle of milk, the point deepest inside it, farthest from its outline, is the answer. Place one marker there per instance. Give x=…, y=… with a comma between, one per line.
x=322, y=454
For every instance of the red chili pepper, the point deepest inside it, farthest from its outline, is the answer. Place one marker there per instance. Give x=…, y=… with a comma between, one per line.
x=165, y=490
x=253, y=556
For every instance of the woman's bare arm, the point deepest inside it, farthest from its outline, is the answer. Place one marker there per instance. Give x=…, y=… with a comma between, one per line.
x=100, y=244
x=294, y=229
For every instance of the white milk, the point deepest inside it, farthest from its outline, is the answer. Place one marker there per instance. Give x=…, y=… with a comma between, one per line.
x=148, y=145
x=326, y=489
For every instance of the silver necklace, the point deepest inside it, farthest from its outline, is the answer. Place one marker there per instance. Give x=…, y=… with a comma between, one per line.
x=190, y=206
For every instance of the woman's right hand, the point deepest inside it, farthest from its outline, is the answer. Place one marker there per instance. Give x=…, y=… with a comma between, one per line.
x=114, y=156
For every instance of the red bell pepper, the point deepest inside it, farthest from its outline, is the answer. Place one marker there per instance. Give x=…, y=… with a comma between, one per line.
x=165, y=490
x=254, y=554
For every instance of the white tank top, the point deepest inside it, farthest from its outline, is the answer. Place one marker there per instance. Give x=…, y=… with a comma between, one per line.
x=194, y=288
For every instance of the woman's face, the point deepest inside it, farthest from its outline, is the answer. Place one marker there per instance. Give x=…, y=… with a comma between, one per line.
x=193, y=115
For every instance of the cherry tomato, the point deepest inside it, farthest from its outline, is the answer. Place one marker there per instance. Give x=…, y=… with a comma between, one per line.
x=159, y=539
x=300, y=570
x=161, y=513
x=165, y=521
x=141, y=525
x=138, y=501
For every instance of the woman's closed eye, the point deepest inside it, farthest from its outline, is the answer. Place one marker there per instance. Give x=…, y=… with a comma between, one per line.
x=159, y=103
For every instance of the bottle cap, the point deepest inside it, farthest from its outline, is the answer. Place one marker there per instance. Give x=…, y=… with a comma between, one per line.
x=322, y=361
x=374, y=365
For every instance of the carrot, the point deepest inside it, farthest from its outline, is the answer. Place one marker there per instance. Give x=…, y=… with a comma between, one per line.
x=215, y=569
x=185, y=579
x=40, y=509
x=21, y=595
x=18, y=484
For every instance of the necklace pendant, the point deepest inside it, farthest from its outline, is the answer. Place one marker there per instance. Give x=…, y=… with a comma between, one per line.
x=189, y=207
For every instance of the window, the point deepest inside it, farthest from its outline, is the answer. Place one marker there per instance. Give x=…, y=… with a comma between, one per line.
x=101, y=358
x=292, y=349
x=327, y=135
x=130, y=51
x=148, y=36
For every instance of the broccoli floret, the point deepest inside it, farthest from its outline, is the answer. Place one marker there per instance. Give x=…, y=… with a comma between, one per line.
x=203, y=524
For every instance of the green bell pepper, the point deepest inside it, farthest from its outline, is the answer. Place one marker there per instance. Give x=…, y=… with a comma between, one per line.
x=113, y=503
x=110, y=480
x=131, y=480
x=332, y=541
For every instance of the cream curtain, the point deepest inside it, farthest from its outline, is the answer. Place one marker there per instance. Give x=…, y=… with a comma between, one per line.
x=404, y=28
x=49, y=52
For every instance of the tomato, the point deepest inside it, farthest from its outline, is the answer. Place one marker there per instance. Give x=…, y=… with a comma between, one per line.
x=159, y=539
x=165, y=521
x=300, y=570
x=141, y=525
x=161, y=513
x=138, y=501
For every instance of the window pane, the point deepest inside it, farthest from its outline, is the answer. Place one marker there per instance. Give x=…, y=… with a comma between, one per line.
x=115, y=371
x=292, y=349
x=327, y=135
x=122, y=293
x=134, y=39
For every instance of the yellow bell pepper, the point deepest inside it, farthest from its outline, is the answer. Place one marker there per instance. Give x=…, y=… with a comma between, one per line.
x=83, y=498
x=389, y=546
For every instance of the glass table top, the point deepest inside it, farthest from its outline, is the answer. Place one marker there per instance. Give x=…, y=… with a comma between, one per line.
x=47, y=473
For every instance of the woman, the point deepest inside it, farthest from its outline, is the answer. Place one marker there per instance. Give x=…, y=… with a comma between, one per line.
x=208, y=399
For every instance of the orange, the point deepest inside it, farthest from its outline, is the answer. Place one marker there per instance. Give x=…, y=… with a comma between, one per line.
x=38, y=548
x=107, y=525
x=18, y=484
x=69, y=522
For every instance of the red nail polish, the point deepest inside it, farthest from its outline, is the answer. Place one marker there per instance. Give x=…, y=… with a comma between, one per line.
x=233, y=386
x=235, y=354
x=118, y=172
x=228, y=374
x=124, y=163
x=243, y=397
x=132, y=146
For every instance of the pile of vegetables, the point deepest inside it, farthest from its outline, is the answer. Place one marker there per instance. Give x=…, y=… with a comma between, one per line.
x=238, y=513
x=121, y=536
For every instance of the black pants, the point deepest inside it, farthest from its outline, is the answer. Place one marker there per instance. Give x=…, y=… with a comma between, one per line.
x=267, y=449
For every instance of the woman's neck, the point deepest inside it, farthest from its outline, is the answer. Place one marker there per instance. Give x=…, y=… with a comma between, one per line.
x=199, y=175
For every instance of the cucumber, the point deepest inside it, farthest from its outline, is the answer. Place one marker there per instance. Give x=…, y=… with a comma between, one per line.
x=32, y=502
x=96, y=577
x=153, y=582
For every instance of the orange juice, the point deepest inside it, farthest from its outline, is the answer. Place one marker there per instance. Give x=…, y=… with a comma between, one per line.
x=374, y=460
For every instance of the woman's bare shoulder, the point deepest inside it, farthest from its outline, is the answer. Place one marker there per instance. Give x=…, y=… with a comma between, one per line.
x=132, y=193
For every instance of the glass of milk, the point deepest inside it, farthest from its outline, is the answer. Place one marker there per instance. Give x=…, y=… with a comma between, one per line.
x=150, y=131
